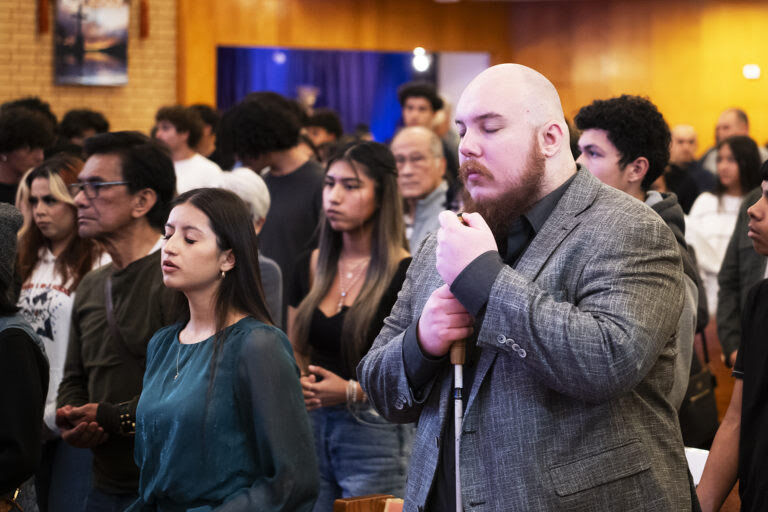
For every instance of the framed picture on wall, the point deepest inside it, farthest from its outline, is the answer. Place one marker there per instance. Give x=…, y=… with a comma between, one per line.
x=91, y=42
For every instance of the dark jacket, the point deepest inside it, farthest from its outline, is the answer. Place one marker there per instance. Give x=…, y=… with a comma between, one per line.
x=742, y=268
x=23, y=387
x=672, y=213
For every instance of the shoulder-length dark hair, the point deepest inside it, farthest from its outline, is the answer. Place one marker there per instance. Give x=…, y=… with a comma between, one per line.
x=240, y=290
x=388, y=240
x=80, y=254
x=748, y=159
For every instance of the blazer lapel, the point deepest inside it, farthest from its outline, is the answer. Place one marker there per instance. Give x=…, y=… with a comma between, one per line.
x=564, y=218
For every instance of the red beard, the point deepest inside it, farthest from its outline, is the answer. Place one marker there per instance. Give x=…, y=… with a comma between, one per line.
x=499, y=212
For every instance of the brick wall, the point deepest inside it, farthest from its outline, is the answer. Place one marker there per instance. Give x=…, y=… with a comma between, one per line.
x=26, y=66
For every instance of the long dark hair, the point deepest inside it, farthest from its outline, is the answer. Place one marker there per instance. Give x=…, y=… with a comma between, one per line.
x=80, y=254
x=240, y=290
x=747, y=158
x=387, y=241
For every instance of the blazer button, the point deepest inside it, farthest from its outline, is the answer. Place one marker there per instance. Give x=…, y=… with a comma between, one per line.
x=522, y=352
x=400, y=403
x=501, y=339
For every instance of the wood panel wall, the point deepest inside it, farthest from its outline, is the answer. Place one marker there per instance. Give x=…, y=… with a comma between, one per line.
x=393, y=25
x=686, y=55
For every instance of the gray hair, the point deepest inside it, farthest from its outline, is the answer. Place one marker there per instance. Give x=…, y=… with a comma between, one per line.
x=435, y=144
x=250, y=187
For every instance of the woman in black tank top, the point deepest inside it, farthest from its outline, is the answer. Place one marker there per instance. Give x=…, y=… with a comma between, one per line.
x=354, y=277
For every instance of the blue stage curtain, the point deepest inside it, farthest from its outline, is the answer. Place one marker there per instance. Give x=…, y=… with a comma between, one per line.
x=360, y=86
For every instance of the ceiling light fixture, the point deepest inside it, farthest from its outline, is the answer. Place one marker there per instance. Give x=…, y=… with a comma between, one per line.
x=751, y=71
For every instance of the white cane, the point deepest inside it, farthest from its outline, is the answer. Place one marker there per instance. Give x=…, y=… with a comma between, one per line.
x=458, y=353
x=457, y=360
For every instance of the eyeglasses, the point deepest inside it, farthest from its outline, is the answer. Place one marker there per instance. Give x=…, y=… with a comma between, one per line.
x=416, y=160
x=91, y=188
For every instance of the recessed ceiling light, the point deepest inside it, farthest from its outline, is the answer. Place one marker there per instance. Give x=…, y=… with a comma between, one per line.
x=751, y=71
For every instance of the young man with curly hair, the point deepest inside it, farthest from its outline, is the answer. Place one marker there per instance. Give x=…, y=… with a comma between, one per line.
x=263, y=132
x=625, y=143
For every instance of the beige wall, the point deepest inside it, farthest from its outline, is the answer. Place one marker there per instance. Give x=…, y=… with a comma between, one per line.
x=26, y=61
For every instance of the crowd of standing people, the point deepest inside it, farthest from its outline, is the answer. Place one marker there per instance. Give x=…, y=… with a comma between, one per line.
x=253, y=311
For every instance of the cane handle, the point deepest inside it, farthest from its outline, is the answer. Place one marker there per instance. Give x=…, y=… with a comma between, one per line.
x=458, y=352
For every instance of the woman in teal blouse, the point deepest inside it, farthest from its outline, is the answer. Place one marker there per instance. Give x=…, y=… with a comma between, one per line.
x=221, y=424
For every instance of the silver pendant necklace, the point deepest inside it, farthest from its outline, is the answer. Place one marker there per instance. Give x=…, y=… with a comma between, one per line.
x=353, y=275
x=178, y=353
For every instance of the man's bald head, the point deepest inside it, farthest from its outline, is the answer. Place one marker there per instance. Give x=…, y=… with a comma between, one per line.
x=684, y=130
x=733, y=121
x=511, y=123
x=683, y=145
x=421, y=135
x=533, y=93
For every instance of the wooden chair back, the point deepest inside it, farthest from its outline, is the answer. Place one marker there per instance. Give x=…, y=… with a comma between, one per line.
x=369, y=503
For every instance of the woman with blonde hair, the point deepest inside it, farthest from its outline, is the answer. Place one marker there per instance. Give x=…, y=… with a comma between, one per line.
x=353, y=280
x=52, y=260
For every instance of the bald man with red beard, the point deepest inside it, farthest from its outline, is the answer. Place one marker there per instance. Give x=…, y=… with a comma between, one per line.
x=568, y=293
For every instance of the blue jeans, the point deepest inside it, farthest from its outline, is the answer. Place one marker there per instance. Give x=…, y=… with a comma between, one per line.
x=99, y=501
x=64, y=478
x=359, y=453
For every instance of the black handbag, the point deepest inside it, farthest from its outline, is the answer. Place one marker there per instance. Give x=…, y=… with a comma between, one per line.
x=698, y=412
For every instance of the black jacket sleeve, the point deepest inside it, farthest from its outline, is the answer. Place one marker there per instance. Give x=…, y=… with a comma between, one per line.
x=23, y=388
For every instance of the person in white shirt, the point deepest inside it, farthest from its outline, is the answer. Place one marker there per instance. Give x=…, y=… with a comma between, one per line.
x=52, y=261
x=180, y=128
x=250, y=187
x=712, y=218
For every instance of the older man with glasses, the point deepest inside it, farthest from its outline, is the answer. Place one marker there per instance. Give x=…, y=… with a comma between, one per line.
x=122, y=198
x=420, y=179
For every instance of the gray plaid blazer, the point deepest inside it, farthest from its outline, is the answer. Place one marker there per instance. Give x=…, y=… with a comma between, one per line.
x=568, y=407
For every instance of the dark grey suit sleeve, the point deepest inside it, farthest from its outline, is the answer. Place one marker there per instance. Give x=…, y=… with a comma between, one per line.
x=419, y=367
x=473, y=285
x=600, y=339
